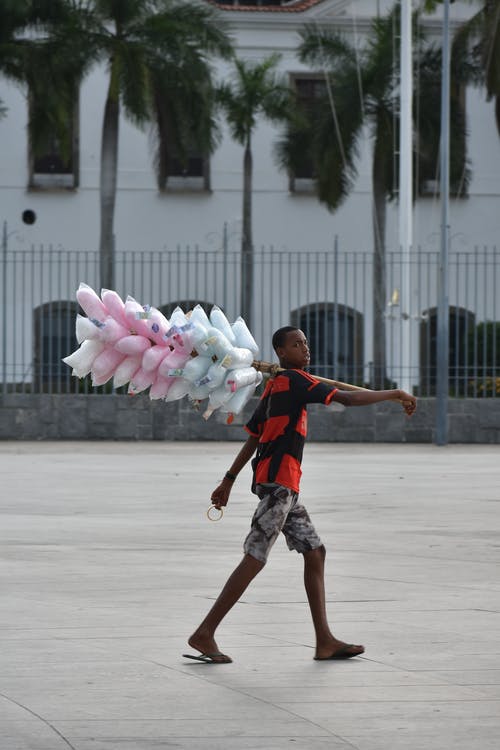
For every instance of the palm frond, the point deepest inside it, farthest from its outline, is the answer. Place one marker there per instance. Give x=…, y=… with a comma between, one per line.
x=134, y=81
x=254, y=90
x=325, y=49
x=480, y=37
x=184, y=116
x=176, y=24
x=428, y=126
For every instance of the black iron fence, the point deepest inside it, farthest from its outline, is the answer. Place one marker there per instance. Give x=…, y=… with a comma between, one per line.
x=328, y=294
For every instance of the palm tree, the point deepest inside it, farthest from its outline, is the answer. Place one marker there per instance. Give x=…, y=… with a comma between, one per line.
x=480, y=38
x=31, y=58
x=157, y=56
x=256, y=91
x=12, y=20
x=361, y=89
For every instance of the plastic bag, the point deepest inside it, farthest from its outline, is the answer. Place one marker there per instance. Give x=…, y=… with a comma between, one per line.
x=237, y=358
x=217, y=398
x=125, y=371
x=82, y=359
x=115, y=306
x=140, y=381
x=199, y=316
x=160, y=387
x=178, y=389
x=158, y=326
x=86, y=329
x=133, y=344
x=153, y=357
x=239, y=400
x=136, y=316
x=196, y=368
x=237, y=379
x=214, y=377
x=244, y=338
x=90, y=302
x=219, y=321
x=106, y=363
x=172, y=361
x=215, y=345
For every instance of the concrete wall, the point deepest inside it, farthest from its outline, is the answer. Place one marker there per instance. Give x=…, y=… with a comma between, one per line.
x=80, y=417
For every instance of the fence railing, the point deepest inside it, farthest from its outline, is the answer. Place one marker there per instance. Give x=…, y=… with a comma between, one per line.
x=328, y=294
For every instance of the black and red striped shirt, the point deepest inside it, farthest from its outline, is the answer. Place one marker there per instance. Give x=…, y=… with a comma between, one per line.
x=280, y=423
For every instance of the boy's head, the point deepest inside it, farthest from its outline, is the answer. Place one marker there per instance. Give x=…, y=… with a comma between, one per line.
x=290, y=344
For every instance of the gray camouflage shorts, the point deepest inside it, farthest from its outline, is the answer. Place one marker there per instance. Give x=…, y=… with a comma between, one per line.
x=278, y=510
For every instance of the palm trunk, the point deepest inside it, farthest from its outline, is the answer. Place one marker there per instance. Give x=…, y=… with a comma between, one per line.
x=379, y=376
x=109, y=167
x=246, y=239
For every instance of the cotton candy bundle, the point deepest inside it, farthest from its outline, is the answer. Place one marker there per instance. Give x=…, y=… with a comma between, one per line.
x=192, y=354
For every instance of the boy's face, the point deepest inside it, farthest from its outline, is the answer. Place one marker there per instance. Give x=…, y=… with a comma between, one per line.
x=295, y=351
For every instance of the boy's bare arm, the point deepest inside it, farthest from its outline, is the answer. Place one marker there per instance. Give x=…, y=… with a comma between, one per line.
x=220, y=495
x=364, y=398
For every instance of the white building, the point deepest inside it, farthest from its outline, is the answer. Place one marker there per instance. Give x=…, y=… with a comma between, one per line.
x=190, y=213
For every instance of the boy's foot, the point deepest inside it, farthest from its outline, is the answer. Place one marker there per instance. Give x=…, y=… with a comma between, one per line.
x=216, y=658
x=207, y=647
x=338, y=650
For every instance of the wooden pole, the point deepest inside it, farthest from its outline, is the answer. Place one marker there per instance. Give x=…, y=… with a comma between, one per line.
x=273, y=370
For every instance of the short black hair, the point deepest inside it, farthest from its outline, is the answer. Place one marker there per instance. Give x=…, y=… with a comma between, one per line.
x=279, y=336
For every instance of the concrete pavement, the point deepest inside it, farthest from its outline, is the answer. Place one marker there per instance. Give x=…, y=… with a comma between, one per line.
x=108, y=563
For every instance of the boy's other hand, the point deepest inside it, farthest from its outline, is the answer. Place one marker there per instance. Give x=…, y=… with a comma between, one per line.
x=220, y=496
x=409, y=403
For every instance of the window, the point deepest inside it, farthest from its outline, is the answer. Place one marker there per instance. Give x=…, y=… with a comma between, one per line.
x=54, y=326
x=53, y=166
x=190, y=173
x=335, y=335
x=309, y=90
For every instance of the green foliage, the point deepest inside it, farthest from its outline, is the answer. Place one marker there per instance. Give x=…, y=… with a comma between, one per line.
x=426, y=157
x=255, y=91
x=483, y=353
x=157, y=53
x=484, y=346
x=360, y=90
x=485, y=387
x=479, y=38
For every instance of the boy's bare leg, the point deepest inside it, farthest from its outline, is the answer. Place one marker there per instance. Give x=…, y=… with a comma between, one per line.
x=203, y=637
x=314, y=580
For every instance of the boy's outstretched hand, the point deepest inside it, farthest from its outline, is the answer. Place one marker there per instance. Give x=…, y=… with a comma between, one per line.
x=409, y=402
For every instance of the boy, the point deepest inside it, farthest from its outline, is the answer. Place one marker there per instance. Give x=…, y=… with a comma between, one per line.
x=277, y=431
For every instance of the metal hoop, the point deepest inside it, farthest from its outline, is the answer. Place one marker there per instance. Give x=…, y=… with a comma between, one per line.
x=210, y=516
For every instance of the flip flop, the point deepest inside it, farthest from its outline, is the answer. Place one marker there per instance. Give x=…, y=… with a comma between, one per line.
x=210, y=658
x=341, y=653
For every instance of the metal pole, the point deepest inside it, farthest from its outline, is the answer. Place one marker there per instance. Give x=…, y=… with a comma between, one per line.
x=405, y=187
x=224, y=250
x=336, y=306
x=443, y=301
x=4, y=308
